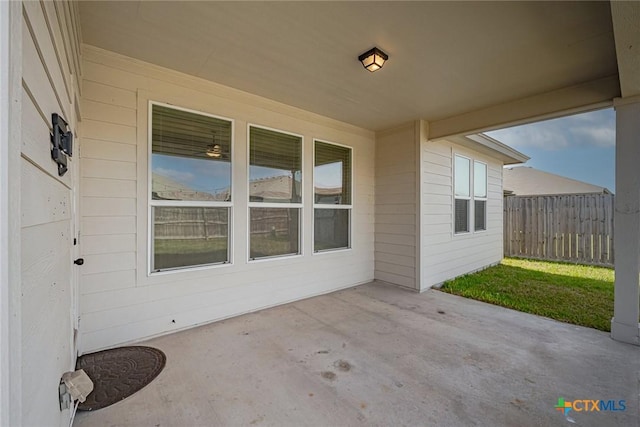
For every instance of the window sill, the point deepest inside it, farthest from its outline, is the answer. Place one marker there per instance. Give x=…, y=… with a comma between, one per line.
x=188, y=269
x=332, y=251
x=274, y=258
x=469, y=233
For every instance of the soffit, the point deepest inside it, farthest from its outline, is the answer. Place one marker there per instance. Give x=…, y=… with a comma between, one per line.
x=626, y=16
x=445, y=58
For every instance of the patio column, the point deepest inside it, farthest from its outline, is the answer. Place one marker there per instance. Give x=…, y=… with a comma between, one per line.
x=624, y=325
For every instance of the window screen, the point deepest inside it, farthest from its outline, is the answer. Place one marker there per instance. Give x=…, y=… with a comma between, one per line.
x=480, y=215
x=480, y=196
x=462, y=216
x=274, y=232
x=331, y=229
x=188, y=236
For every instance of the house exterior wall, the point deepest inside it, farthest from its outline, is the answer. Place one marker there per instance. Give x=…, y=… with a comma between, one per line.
x=396, y=206
x=120, y=302
x=50, y=66
x=446, y=255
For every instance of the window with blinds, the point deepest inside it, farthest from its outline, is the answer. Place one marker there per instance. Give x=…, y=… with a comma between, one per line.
x=190, y=156
x=275, y=193
x=332, y=178
x=470, y=195
x=190, y=192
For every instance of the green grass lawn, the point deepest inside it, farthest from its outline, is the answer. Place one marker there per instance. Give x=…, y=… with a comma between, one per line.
x=578, y=294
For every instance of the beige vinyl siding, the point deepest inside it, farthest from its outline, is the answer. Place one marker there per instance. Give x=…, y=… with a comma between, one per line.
x=120, y=302
x=396, y=206
x=49, y=85
x=446, y=255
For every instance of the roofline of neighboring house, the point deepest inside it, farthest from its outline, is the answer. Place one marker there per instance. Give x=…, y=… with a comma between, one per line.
x=506, y=193
x=601, y=190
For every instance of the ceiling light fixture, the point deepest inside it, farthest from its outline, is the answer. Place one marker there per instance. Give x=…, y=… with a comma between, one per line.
x=214, y=150
x=373, y=59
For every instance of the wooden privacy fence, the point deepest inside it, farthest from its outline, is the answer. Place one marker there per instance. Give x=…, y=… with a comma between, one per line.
x=185, y=223
x=273, y=221
x=574, y=227
x=196, y=223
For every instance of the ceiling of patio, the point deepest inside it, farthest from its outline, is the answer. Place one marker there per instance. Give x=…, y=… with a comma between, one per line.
x=445, y=59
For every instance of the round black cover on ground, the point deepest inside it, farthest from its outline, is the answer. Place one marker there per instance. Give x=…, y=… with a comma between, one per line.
x=118, y=373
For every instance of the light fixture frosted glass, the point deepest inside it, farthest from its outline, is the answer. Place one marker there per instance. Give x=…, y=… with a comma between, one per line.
x=373, y=59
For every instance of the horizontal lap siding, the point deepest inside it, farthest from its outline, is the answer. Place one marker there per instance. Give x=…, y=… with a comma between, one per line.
x=396, y=219
x=50, y=85
x=108, y=190
x=190, y=310
x=445, y=255
x=119, y=303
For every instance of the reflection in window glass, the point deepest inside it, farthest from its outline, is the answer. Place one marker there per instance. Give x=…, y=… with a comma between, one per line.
x=191, y=156
x=331, y=229
x=479, y=179
x=275, y=167
x=462, y=167
x=189, y=236
x=274, y=232
x=332, y=174
x=190, y=188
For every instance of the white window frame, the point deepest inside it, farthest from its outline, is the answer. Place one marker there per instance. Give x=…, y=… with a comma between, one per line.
x=299, y=206
x=177, y=203
x=471, y=225
x=485, y=198
x=327, y=206
x=469, y=198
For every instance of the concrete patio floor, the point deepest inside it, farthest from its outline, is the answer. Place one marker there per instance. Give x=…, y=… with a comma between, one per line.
x=380, y=355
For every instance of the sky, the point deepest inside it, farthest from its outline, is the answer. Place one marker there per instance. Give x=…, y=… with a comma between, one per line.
x=194, y=173
x=209, y=176
x=581, y=147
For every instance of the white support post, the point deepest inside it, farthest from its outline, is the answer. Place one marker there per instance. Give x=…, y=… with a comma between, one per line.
x=624, y=325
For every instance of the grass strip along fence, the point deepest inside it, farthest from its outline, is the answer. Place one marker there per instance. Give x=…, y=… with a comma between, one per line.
x=577, y=294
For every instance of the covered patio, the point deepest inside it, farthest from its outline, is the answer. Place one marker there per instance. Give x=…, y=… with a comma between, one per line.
x=379, y=355
x=81, y=222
